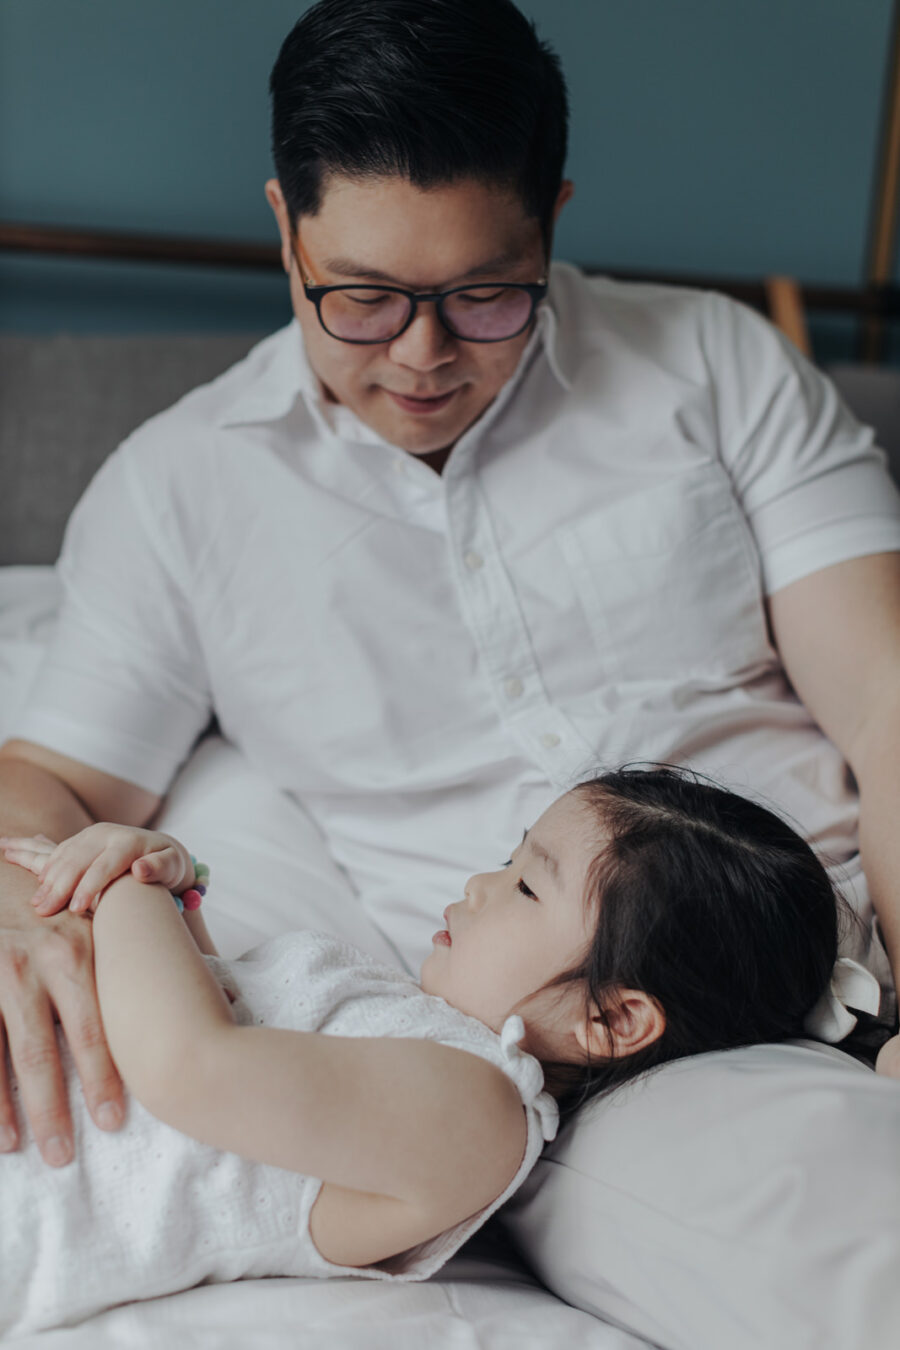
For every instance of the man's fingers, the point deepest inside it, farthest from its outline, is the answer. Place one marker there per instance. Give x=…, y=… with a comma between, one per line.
x=9, y=1130
x=35, y=981
x=80, y=1022
x=34, y=1054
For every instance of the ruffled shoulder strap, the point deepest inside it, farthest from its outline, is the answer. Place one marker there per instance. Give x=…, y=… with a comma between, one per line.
x=528, y=1075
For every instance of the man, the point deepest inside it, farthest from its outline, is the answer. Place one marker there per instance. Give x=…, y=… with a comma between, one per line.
x=465, y=530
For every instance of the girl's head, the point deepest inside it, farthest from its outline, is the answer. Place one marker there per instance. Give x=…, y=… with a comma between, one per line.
x=647, y=915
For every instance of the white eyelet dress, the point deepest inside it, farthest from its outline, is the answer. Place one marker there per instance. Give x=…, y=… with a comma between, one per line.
x=147, y=1211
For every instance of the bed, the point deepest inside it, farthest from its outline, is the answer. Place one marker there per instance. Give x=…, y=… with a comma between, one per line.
x=699, y=1235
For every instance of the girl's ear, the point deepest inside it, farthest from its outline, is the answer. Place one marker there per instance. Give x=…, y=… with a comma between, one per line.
x=633, y=1022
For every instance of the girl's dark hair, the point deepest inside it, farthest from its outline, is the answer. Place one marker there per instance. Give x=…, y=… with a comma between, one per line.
x=430, y=90
x=710, y=904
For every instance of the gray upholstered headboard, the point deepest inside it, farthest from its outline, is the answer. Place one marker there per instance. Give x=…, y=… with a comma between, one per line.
x=66, y=403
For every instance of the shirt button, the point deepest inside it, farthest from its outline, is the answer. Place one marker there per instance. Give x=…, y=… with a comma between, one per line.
x=550, y=739
x=512, y=688
x=473, y=560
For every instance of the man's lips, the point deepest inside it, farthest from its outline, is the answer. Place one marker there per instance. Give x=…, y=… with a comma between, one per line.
x=424, y=403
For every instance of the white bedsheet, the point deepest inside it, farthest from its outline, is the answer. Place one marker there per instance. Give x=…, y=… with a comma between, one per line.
x=253, y=837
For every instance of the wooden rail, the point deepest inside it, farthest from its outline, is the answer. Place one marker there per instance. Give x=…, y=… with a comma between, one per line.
x=786, y=300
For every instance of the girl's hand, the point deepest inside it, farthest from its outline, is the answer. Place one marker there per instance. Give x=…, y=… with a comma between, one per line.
x=77, y=871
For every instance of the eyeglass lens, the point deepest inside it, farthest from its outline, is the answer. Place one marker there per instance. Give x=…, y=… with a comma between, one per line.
x=486, y=313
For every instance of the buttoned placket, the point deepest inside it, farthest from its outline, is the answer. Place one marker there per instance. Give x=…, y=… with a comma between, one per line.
x=494, y=617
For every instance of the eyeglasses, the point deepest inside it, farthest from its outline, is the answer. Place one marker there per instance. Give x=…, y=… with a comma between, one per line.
x=366, y=314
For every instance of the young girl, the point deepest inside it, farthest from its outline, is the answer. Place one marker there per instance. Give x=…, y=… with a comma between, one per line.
x=646, y=916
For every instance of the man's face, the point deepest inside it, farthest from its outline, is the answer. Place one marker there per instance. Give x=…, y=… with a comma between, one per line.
x=387, y=230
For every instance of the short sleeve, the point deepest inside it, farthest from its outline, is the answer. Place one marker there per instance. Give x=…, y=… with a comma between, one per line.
x=542, y=1119
x=812, y=483
x=123, y=685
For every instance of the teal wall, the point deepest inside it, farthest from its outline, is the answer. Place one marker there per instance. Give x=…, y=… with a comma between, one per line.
x=722, y=136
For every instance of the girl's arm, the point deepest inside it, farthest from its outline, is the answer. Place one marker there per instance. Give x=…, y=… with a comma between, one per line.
x=436, y=1127
x=199, y=932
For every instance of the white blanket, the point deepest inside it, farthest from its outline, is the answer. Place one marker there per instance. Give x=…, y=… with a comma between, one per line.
x=253, y=837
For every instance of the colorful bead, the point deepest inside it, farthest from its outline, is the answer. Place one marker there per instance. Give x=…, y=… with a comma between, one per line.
x=191, y=899
x=177, y=899
x=200, y=888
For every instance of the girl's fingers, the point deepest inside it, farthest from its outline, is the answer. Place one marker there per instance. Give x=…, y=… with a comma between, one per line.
x=38, y=846
x=83, y=866
x=33, y=862
x=59, y=879
x=96, y=878
x=163, y=866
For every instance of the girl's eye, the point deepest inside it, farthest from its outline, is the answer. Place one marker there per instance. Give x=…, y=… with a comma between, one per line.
x=520, y=884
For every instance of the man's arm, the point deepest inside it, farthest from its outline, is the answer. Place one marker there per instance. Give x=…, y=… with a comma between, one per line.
x=838, y=634
x=46, y=964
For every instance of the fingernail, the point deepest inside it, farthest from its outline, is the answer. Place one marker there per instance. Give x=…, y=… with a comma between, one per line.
x=58, y=1151
x=7, y=1139
x=109, y=1116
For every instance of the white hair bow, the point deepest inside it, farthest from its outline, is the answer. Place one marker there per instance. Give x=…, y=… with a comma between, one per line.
x=850, y=986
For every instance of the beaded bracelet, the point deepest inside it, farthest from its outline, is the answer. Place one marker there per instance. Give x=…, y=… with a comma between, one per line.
x=192, y=898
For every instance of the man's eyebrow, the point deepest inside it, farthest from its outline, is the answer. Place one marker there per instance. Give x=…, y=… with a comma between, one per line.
x=348, y=267
x=545, y=857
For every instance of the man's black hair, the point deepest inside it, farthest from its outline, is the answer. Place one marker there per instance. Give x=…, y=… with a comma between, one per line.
x=431, y=90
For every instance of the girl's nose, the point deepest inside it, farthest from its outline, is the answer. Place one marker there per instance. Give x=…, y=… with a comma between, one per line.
x=475, y=890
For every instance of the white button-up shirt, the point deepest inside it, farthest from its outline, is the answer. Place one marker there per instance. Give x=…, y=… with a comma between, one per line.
x=425, y=662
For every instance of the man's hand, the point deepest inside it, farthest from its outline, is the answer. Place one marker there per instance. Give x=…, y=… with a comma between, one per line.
x=47, y=974
x=77, y=871
x=888, y=1061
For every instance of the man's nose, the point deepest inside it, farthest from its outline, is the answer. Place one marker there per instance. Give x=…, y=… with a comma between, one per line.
x=426, y=344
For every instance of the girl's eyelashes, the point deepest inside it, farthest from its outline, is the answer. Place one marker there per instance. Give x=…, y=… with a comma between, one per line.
x=520, y=884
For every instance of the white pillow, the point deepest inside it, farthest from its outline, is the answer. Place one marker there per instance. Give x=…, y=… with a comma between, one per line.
x=270, y=869
x=743, y=1200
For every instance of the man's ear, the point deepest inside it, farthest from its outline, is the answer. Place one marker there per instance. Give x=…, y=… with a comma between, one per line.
x=275, y=198
x=633, y=1022
x=565, y=194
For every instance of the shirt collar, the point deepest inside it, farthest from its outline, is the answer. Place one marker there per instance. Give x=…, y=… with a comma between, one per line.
x=288, y=376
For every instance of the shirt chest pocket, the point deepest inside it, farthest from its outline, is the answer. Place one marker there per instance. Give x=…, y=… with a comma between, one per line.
x=669, y=581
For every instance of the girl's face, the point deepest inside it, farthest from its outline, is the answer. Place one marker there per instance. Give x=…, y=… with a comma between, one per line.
x=521, y=925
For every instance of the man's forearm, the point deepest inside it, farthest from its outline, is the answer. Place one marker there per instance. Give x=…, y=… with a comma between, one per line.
x=33, y=801
x=878, y=779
